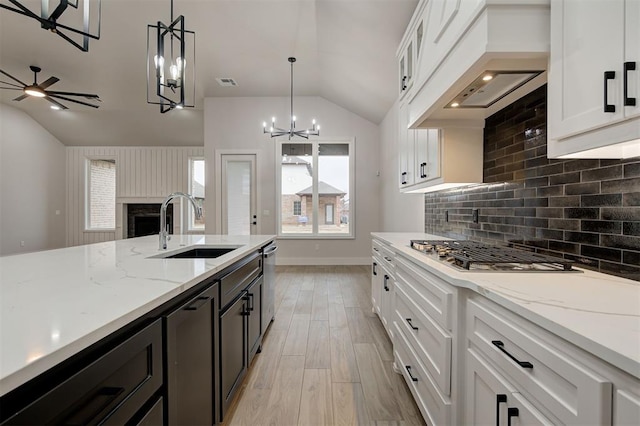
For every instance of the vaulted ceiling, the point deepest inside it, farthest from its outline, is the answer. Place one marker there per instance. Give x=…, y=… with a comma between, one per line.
x=345, y=51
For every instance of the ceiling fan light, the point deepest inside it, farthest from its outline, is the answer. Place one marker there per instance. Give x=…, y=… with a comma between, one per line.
x=35, y=91
x=55, y=107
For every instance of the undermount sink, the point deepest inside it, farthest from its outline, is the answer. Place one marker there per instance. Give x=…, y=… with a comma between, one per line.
x=197, y=253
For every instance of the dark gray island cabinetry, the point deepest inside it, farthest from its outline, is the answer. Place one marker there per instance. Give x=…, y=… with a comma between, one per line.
x=164, y=366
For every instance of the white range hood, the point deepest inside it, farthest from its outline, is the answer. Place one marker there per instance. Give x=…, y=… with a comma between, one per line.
x=499, y=54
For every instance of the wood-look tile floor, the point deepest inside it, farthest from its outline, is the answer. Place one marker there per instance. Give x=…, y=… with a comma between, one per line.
x=326, y=359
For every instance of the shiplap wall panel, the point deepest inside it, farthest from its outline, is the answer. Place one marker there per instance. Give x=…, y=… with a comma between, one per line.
x=141, y=172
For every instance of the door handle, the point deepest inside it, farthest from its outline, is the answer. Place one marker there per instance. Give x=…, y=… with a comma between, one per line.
x=608, y=75
x=512, y=412
x=413, y=379
x=250, y=301
x=413, y=327
x=500, y=345
x=384, y=284
x=197, y=303
x=500, y=398
x=375, y=272
x=423, y=173
x=628, y=66
x=403, y=178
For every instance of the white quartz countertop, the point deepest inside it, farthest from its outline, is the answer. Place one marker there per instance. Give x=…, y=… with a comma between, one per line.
x=55, y=303
x=598, y=312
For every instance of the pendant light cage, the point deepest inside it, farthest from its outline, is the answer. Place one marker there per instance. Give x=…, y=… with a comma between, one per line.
x=75, y=21
x=171, y=65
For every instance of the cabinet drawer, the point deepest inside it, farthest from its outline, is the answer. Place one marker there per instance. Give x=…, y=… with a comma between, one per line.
x=233, y=283
x=435, y=408
x=554, y=377
x=429, y=292
x=430, y=342
x=111, y=390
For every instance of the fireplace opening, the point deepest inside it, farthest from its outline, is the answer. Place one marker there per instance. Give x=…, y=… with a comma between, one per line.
x=144, y=219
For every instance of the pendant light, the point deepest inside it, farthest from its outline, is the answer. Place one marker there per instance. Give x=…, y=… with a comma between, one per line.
x=277, y=131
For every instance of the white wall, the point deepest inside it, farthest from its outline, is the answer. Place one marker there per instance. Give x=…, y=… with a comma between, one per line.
x=398, y=212
x=236, y=123
x=143, y=175
x=32, y=185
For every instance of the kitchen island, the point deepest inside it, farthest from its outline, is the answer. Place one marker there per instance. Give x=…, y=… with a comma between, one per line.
x=55, y=304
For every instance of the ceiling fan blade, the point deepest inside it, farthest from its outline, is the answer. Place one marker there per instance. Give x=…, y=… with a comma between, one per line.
x=11, y=84
x=73, y=100
x=48, y=82
x=10, y=88
x=13, y=78
x=84, y=95
x=56, y=103
x=19, y=98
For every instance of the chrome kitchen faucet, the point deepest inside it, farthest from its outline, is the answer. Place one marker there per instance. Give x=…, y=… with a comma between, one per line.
x=164, y=231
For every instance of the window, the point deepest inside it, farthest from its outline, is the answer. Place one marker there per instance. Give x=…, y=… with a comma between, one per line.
x=101, y=194
x=316, y=184
x=196, y=188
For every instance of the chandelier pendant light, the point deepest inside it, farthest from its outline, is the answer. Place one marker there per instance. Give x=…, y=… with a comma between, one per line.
x=277, y=131
x=77, y=35
x=171, y=65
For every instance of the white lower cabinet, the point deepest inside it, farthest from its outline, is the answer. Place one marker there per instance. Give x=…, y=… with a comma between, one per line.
x=491, y=400
x=546, y=369
x=468, y=360
x=382, y=283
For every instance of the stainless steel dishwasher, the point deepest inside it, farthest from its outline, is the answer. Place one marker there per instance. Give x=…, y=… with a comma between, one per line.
x=269, y=272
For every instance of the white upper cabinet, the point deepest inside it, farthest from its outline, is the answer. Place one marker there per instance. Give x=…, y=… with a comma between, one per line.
x=594, y=78
x=427, y=154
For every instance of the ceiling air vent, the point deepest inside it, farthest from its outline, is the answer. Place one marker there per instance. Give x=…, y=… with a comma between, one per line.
x=226, y=82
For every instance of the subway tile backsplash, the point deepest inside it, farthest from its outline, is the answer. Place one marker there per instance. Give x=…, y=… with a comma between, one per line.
x=584, y=210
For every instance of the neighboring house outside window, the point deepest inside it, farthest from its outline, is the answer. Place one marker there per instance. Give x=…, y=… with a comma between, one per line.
x=101, y=194
x=321, y=209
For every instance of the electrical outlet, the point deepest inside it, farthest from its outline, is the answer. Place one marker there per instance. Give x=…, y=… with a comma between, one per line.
x=21, y=243
x=446, y=215
x=475, y=215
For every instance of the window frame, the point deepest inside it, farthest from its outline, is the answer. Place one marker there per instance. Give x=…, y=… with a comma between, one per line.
x=188, y=210
x=298, y=204
x=87, y=193
x=315, y=234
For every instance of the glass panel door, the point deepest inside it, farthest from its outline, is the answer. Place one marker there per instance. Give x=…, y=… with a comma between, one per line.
x=238, y=195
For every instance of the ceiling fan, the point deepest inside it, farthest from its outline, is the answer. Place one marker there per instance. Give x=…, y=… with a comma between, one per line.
x=39, y=91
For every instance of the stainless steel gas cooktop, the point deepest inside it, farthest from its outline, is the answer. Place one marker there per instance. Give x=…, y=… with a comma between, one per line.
x=474, y=256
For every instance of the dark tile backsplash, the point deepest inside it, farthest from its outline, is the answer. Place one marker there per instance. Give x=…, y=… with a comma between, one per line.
x=584, y=210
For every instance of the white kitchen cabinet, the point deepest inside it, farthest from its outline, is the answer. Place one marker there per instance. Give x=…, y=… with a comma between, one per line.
x=382, y=283
x=406, y=146
x=627, y=407
x=538, y=365
x=427, y=154
x=491, y=400
x=594, y=76
x=434, y=159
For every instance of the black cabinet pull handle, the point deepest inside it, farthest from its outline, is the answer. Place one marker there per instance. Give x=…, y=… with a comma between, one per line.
x=376, y=249
x=197, y=303
x=608, y=75
x=250, y=301
x=375, y=272
x=500, y=345
x=387, y=258
x=403, y=175
x=628, y=66
x=512, y=412
x=423, y=174
x=413, y=379
x=500, y=398
x=384, y=284
x=413, y=327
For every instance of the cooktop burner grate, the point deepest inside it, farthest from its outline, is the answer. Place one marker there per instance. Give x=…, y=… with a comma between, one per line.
x=468, y=254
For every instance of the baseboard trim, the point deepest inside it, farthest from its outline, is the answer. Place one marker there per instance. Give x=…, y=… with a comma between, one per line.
x=322, y=261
